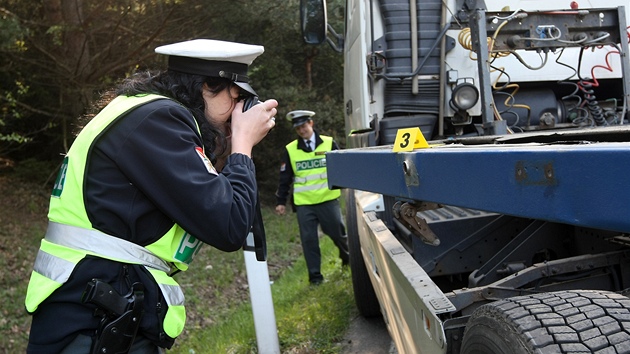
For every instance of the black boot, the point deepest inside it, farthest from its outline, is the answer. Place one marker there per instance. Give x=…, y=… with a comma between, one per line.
x=344, y=254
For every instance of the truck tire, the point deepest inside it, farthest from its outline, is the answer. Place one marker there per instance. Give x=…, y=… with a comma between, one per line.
x=573, y=321
x=364, y=295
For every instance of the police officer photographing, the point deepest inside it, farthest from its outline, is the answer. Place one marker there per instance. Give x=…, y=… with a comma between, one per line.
x=304, y=166
x=164, y=168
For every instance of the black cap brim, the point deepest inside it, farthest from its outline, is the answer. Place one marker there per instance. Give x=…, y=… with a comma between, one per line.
x=299, y=121
x=235, y=72
x=245, y=86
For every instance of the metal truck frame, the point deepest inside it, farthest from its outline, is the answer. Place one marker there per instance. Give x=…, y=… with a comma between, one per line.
x=507, y=232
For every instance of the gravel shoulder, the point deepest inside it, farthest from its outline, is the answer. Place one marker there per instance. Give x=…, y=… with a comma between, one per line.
x=368, y=336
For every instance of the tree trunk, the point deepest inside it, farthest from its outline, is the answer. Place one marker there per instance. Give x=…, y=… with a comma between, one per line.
x=310, y=54
x=73, y=60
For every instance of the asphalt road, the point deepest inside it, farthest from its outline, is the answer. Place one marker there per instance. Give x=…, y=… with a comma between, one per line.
x=368, y=336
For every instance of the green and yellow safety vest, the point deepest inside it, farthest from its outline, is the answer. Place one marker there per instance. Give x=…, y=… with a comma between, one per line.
x=310, y=181
x=70, y=236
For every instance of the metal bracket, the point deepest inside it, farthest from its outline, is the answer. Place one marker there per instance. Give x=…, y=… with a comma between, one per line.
x=407, y=214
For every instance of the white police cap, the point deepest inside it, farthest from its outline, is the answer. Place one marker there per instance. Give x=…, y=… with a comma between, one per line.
x=215, y=58
x=299, y=117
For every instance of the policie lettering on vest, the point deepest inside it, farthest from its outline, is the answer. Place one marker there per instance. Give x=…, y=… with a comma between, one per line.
x=310, y=164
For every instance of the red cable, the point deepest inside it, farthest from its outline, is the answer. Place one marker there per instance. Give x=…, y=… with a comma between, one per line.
x=608, y=67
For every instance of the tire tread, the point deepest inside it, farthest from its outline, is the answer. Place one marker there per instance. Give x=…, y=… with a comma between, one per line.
x=572, y=321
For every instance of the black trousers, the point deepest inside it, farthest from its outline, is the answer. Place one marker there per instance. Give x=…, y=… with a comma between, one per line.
x=328, y=216
x=83, y=343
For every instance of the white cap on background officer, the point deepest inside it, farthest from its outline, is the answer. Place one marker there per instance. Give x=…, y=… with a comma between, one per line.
x=299, y=117
x=303, y=124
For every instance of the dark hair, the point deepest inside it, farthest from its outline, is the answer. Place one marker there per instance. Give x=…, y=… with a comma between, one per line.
x=187, y=90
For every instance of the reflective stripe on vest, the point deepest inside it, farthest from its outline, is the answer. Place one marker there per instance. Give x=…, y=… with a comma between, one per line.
x=175, y=317
x=103, y=245
x=70, y=236
x=309, y=188
x=311, y=177
x=310, y=182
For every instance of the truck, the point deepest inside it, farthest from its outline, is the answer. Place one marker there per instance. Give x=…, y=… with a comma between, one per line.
x=485, y=171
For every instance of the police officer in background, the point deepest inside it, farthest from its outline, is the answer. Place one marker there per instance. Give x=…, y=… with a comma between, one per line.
x=163, y=168
x=304, y=166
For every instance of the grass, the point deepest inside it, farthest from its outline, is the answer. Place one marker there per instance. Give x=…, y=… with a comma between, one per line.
x=22, y=224
x=309, y=319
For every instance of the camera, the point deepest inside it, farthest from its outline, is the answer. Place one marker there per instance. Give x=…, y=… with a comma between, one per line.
x=250, y=102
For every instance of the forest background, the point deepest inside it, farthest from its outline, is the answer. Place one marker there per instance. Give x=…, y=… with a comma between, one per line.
x=58, y=56
x=56, y=59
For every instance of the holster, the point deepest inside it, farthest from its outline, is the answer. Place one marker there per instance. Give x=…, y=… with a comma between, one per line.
x=120, y=316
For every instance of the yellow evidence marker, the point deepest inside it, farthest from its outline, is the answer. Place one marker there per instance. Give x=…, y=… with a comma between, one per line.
x=408, y=139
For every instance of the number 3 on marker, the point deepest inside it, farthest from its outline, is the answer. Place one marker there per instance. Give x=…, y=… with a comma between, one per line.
x=405, y=140
x=408, y=139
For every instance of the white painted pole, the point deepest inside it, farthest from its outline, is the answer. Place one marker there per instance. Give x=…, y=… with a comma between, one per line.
x=262, y=303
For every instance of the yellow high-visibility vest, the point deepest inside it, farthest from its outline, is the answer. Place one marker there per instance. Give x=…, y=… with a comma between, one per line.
x=310, y=181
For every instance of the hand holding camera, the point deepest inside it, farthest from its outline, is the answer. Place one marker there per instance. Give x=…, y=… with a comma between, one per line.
x=251, y=101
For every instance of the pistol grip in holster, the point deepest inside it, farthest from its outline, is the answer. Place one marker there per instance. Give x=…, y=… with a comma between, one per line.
x=121, y=316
